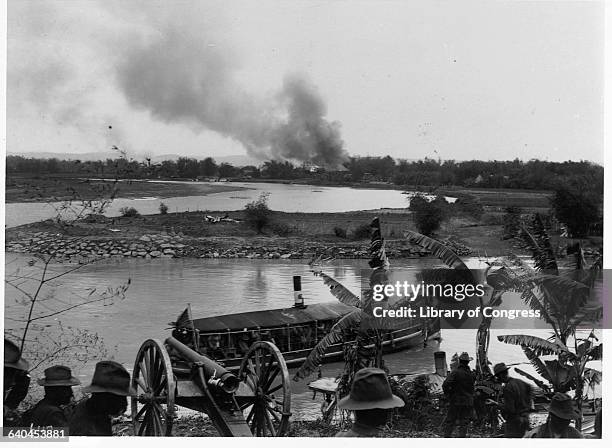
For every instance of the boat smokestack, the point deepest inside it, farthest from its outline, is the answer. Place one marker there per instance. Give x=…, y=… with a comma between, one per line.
x=440, y=363
x=297, y=292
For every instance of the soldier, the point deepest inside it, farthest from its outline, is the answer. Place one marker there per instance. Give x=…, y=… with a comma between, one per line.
x=517, y=404
x=50, y=411
x=16, y=382
x=561, y=412
x=459, y=388
x=371, y=400
x=109, y=390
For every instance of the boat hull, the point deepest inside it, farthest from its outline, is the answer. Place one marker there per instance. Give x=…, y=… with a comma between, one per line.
x=395, y=341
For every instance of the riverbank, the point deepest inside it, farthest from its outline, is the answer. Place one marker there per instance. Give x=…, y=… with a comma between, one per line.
x=57, y=188
x=289, y=235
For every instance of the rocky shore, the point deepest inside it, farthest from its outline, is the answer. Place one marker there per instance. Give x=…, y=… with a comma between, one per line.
x=178, y=245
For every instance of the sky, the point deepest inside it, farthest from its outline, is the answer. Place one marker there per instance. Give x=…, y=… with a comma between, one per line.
x=308, y=80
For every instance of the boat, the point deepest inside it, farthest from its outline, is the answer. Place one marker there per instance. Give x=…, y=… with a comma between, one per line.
x=295, y=331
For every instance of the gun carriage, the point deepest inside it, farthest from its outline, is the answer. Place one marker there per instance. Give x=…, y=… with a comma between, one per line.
x=254, y=402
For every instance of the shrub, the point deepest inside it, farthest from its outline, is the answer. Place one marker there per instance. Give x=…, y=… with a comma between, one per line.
x=362, y=232
x=129, y=212
x=577, y=208
x=340, y=232
x=257, y=214
x=428, y=215
x=163, y=208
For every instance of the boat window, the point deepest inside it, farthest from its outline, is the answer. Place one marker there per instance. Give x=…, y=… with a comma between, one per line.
x=213, y=347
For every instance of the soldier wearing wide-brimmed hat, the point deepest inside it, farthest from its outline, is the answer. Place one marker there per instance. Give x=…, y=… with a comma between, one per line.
x=16, y=381
x=517, y=404
x=561, y=412
x=371, y=400
x=51, y=410
x=459, y=389
x=109, y=390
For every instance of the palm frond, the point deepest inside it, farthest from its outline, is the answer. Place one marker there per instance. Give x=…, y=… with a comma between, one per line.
x=378, y=255
x=541, y=384
x=338, y=290
x=540, y=249
x=535, y=299
x=538, y=345
x=536, y=362
x=335, y=336
x=438, y=249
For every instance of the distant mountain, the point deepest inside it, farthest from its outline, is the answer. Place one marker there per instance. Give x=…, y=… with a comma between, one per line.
x=236, y=160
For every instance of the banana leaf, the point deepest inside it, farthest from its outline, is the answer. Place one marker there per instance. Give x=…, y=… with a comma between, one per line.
x=338, y=290
x=538, y=345
x=438, y=249
x=335, y=336
x=541, y=384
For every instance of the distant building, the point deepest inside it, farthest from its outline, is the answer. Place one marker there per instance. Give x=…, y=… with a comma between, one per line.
x=311, y=167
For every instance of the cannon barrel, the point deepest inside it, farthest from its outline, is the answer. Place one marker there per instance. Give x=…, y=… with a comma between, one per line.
x=213, y=373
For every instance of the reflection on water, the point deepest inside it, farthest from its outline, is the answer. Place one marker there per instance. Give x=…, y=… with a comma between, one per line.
x=161, y=288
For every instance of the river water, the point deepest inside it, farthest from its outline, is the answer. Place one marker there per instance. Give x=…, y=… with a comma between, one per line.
x=282, y=197
x=161, y=288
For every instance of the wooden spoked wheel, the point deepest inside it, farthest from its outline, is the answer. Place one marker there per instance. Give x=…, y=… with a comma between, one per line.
x=153, y=409
x=265, y=395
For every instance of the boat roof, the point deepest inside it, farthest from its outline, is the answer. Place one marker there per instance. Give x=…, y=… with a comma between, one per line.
x=272, y=318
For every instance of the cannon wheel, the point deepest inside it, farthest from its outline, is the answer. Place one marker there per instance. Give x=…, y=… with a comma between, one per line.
x=155, y=386
x=266, y=377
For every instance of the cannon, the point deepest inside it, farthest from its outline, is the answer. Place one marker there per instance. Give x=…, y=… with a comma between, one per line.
x=254, y=402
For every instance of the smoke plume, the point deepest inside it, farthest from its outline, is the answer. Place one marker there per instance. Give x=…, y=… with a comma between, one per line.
x=182, y=75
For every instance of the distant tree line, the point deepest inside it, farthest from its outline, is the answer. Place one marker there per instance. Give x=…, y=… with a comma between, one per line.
x=533, y=174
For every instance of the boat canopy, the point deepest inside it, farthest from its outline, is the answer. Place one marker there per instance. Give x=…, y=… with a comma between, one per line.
x=283, y=317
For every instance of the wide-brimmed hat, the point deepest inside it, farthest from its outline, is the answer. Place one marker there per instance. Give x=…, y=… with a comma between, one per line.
x=465, y=357
x=12, y=356
x=499, y=368
x=58, y=376
x=110, y=376
x=370, y=390
x=563, y=406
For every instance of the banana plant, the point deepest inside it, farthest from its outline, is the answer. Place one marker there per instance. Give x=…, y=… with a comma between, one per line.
x=565, y=301
x=360, y=322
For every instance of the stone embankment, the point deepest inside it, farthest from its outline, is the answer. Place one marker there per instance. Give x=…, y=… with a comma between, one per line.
x=164, y=245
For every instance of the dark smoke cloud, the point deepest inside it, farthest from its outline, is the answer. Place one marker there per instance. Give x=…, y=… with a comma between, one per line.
x=180, y=75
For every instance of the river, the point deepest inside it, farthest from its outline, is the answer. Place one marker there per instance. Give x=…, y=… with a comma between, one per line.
x=283, y=197
x=161, y=288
